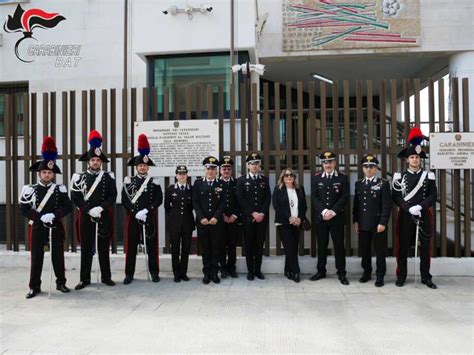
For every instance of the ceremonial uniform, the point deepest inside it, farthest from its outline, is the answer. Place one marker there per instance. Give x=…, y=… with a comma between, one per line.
x=208, y=202
x=229, y=230
x=141, y=197
x=415, y=193
x=330, y=192
x=180, y=224
x=94, y=193
x=44, y=205
x=372, y=207
x=254, y=195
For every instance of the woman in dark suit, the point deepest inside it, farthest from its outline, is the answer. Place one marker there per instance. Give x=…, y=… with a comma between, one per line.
x=290, y=207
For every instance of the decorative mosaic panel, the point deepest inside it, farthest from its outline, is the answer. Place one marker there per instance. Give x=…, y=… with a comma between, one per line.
x=350, y=24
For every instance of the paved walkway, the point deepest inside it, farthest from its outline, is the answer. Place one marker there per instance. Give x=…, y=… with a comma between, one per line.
x=237, y=316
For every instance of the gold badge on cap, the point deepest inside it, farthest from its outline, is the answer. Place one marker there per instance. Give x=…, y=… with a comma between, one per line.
x=212, y=160
x=370, y=158
x=50, y=164
x=327, y=154
x=254, y=155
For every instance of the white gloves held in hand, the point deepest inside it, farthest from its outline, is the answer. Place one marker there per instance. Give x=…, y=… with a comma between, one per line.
x=141, y=215
x=415, y=210
x=95, y=212
x=48, y=218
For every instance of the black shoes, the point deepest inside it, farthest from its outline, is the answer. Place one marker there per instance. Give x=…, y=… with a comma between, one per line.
x=318, y=276
x=365, y=278
x=155, y=278
x=63, y=288
x=343, y=280
x=259, y=276
x=32, y=293
x=429, y=283
x=379, y=282
x=108, y=282
x=82, y=285
x=127, y=280
x=233, y=274
x=250, y=276
x=206, y=280
x=400, y=282
x=224, y=274
x=296, y=278
x=185, y=278
x=177, y=278
x=216, y=279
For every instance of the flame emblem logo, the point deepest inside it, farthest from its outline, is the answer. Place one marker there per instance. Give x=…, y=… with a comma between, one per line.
x=26, y=21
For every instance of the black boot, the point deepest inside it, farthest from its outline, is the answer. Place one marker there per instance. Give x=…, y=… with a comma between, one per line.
x=206, y=279
x=259, y=275
x=318, y=276
x=108, y=282
x=185, y=278
x=365, y=278
x=63, y=288
x=33, y=292
x=296, y=278
x=343, y=280
x=250, y=276
x=128, y=280
x=215, y=279
x=429, y=283
x=400, y=282
x=82, y=284
x=379, y=282
x=233, y=274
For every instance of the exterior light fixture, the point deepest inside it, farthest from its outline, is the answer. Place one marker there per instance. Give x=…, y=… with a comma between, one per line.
x=322, y=78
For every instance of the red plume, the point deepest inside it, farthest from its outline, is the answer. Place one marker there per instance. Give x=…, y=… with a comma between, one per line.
x=415, y=137
x=95, y=139
x=48, y=149
x=143, y=145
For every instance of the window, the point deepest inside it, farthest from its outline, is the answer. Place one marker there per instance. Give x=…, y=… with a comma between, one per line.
x=19, y=88
x=191, y=70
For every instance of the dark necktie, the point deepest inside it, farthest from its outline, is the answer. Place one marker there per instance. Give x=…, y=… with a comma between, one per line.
x=182, y=187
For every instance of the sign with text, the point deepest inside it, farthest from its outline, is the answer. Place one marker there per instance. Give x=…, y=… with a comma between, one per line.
x=175, y=143
x=452, y=150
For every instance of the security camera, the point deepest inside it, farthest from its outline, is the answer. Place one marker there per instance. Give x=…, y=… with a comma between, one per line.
x=259, y=68
x=173, y=10
x=235, y=68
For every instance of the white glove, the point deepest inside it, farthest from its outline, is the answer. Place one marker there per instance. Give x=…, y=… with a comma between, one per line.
x=47, y=218
x=141, y=215
x=415, y=210
x=95, y=212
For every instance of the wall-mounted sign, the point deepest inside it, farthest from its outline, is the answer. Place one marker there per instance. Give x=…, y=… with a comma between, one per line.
x=175, y=143
x=452, y=150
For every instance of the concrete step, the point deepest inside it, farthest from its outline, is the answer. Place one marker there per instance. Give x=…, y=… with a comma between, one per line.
x=441, y=266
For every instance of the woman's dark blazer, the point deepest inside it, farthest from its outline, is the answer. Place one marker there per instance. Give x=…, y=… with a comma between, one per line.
x=281, y=204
